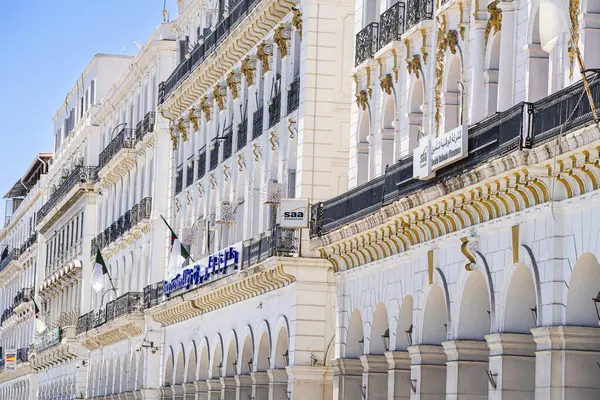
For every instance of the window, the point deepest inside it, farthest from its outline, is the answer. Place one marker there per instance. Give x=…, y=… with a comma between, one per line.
x=92, y=91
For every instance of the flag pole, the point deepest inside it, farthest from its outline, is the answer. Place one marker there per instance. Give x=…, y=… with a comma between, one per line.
x=173, y=232
x=586, y=84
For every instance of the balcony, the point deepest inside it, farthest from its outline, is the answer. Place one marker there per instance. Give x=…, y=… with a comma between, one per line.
x=257, y=123
x=495, y=136
x=274, y=110
x=293, y=96
x=125, y=139
x=277, y=243
x=179, y=180
x=242, y=135
x=391, y=24
x=126, y=304
x=417, y=11
x=128, y=221
x=153, y=295
x=13, y=254
x=189, y=173
x=228, y=143
x=148, y=124
x=202, y=51
x=366, y=43
x=81, y=174
x=50, y=338
x=201, y=164
x=214, y=156
x=28, y=243
x=23, y=296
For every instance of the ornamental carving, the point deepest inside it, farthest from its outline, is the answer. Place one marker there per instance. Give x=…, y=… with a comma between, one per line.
x=386, y=83
x=205, y=107
x=174, y=138
x=452, y=39
x=193, y=119
x=241, y=161
x=281, y=37
x=297, y=21
x=248, y=68
x=226, y=173
x=362, y=98
x=218, y=95
x=232, y=83
x=263, y=53
x=423, y=45
x=574, y=37
x=213, y=181
x=256, y=151
x=395, y=69
x=182, y=129
x=494, y=22
x=413, y=65
x=442, y=45
x=273, y=140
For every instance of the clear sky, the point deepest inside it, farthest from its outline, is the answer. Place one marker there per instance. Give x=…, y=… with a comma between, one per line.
x=45, y=47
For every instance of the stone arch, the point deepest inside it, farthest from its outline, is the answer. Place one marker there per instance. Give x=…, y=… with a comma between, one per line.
x=451, y=95
x=217, y=357
x=538, y=62
x=179, y=371
x=231, y=355
x=362, y=148
x=355, y=336
x=246, y=358
x=474, y=308
x=388, y=129
x=263, y=351
x=125, y=374
x=415, y=114
x=584, y=285
x=404, y=324
x=192, y=363
x=379, y=327
x=169, y=367
x=434, y=317
x=204, y=361
x=492, y=66
x=117, y=378
x=520, y=299
x=282, y=343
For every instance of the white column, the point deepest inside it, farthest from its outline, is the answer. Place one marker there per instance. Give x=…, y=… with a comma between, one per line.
x=507, y=55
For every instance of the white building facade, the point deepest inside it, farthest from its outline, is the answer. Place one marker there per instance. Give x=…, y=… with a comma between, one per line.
x=258, y=109
x=18, y=266
x=465, y=253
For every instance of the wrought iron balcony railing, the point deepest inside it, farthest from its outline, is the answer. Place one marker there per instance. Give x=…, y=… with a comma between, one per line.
x=123, y=305
x=275, y=110
x=417, y=11
x=23, y=296
x=391, y=24
x=179, y=180
x=278, y=242
x=148, y=124
x=125, y=139
x=492, y=137
x=228, y=143
x=138, y=131
x=50, y=338
x=201, y=164
x=13, y=254
x=366, y=42
x=153, y=295
x=189, y=173
x=257, y=123
x=214, y=156
x=293, y=96
x=204, y=49
x=79, y=175
x=28, y=243
x=145, y=209
x=242, y=135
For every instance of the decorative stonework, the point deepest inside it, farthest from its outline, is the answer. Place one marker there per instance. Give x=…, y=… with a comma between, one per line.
x=386, y=83
x=362, y=98
x=264, y=52
x=281, y=37
x=219, y=96
x=494, y=22
x=574, y=38
x=233, y=81
x=193, y=118
x=413, y=65
x=235, y=290
x=182, y=129
x=248, y=67
x=297, y=21
x=126, y=327
x=205, y=107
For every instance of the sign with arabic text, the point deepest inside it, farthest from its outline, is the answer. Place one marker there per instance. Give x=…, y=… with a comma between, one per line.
x=435, y=153
x=213, y=267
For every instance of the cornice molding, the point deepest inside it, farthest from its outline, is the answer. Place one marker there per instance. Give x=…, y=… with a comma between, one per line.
x=126, y=327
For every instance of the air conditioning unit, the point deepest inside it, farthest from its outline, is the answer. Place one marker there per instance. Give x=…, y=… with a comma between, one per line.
x=225, y=213
x=271, y=192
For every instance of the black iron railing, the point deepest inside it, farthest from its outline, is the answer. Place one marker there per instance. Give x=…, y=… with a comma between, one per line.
x=138, y=131
x=79, y=175
x=391, y=24
x=275, y=110
x=149, y=122
x=28, y=243
x=257, y=123
x=145, y=209
x=293, y=96
x=366, y=43
x=179, y=180
x=417, y=11
x=242, y=135
x=278, y=242
x=13, y=254
x=126, y=304
x=153, y=295
x=125, y=139
x=189, y=173
x=204, y=49
x=23, y=296
x=201, y=164
x=214, y=156
x=492, y=137
x=228, y=142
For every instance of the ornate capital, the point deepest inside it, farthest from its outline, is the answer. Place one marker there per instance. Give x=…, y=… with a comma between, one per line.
x=494, y=23
x=297, y=21
x=232, y=82
x=385, y=81
x=362, y=99
x=248, y=68
x=413, y=65
x=174, y=137
x=219, y=96
x=205, y=107
x=193, y=118
x=281, y=37
x=182, y=129
x=264, y=52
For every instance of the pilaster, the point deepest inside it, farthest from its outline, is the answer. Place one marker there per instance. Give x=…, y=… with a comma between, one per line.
x=466, y=367
x=427, y=372
x=309, y=382
x=228, y=388
x=278, y=384
x=398, y=375
x=177, y=392
x=214, y=389
x=243, y=387
x=374, y=377
x=260, y=385
x=201, y=390
x=189, y=391
x=347, y=374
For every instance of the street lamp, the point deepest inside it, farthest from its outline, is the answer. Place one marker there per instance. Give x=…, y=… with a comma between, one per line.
x=596, y=301
x=286, y=357
x=409, y=335
x=385, y=338
x=361, y=342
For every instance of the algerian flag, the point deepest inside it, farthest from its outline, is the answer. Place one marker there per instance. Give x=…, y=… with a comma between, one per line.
x=178, y=254
x=553, y=22
x=99, y=271
x=40, y=326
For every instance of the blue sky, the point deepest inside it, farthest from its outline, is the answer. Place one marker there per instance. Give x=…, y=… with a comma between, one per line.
x=46, y=46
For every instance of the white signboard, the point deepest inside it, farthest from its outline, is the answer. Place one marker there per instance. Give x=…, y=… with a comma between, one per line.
x=293, y=213
x=10, y=359
x=435, y=153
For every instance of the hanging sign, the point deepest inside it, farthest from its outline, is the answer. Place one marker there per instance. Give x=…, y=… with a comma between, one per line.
x=435, y=153
x=293, y=213
x=10, y=360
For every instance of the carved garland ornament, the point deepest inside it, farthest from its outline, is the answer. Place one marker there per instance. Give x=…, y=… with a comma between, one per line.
x=413, y=65
x=361, y=99
x=218, y=95
x=248, y=67
x=297, y=21
x=182, y=129
x=264, y=52
x=281, y=37
x=193, y=119
x=232, y=83
x=445, y=41
x=174, y=137
x=494, y=23
x=386, y=83
x=574, y=38
x=205, y=107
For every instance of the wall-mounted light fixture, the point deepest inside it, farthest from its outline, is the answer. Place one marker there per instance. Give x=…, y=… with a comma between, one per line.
x=492, y=378
x=409, y=335
x=385, y=338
